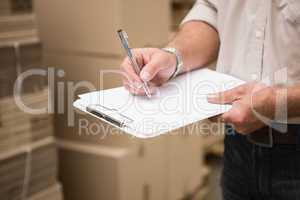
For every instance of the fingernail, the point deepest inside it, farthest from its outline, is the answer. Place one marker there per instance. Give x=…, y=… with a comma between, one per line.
x=145, y=76
x=138, y=85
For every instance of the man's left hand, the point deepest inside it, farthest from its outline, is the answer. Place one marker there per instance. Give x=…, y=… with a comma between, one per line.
x=246, y=100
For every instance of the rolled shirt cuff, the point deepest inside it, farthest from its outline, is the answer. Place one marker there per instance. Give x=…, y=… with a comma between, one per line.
x=202, y=12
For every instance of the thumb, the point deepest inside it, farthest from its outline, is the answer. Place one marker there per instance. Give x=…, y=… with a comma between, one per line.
x=150, y=70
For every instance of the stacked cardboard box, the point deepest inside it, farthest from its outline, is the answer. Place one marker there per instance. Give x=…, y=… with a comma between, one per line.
x=15, y=61
x=136, y=171
x=8, y=72
x=9, y=7
x=116, y=168
x=28, y=169
x=18, y=128
x=88, y=42
x=187, y=171
x=28, y=153
x=93, y=31
x=94, y=162
x=19, y=50
x=5, y=7
x=52, y=193
x=17, y=29
x=31, y=59
x=15, y=23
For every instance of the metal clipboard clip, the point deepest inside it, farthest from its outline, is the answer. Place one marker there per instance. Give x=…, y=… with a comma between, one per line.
x=110, y=115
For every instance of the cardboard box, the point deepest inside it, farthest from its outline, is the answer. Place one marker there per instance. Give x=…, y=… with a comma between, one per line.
x=95, y=172
x=8, y=71
x=20, y=128
x=79, y=69
x=101, y=72
x=169, y=167
x=28, y=169
x=31, y=59
x=186, y=168
x=5, y=7
x=90, y=27
x=51, y=193
x=15, y=23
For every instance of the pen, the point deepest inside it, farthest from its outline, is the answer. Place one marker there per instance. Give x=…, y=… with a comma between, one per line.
x=124, y=40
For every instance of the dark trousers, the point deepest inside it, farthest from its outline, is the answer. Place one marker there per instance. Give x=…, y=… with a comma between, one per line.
x=252, y=172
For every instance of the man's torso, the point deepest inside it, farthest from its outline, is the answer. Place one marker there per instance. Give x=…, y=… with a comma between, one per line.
x=260, y=39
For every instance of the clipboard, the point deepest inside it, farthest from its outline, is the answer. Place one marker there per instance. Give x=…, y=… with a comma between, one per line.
x=178, y=103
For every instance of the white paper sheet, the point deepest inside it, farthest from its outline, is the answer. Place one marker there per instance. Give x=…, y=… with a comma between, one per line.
x=178, y=103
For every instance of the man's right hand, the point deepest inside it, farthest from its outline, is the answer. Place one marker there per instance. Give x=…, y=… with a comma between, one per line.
x=157, y=66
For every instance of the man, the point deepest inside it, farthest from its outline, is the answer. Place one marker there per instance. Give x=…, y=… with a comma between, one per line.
x=254, y=40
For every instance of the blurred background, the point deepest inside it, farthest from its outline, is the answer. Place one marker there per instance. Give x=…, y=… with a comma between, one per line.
x=49, y=156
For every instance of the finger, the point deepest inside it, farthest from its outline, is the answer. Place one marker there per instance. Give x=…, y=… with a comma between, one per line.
x=129, y=72
x=151, y=69
x=226, y=118
x=141, y=92
x=127, y=87
x=135, y=85
x=228, y=96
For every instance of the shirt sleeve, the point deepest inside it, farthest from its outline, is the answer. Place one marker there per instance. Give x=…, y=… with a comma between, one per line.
x=203, y=10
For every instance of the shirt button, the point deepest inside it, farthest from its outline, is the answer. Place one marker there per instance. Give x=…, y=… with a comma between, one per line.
x=258, y=34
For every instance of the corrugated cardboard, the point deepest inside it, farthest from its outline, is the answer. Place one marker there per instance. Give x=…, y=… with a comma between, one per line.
x=84, y=69
x=28, y=169
x=175, y=163
x=15, y=23
x=80, y=26
x=186, y=168
x=31, y=59
x=5, y=7
x=8, y=73
x=97, y=172
x=51, y=193
x=20, y=128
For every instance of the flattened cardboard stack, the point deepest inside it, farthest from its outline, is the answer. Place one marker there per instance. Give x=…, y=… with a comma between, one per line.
x=17, y=28
x=29, y=170
x=30, y=59
x=20, y=50
x=18, y=128
x=28, y=153
x=5, y=7
x=9, y=7
x=8, y=72
x=13, y=23
x=52, y=193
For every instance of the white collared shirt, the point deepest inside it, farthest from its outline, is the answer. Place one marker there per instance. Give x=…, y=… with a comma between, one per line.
x=260, y=39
